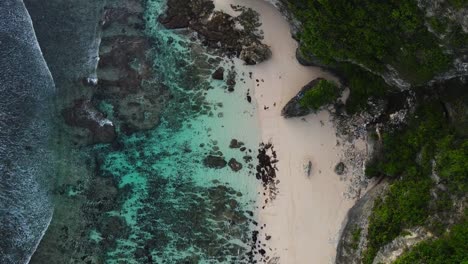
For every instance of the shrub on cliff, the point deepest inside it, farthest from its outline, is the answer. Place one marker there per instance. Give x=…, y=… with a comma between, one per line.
x=449, y=249
x=408, y=158
x=372, y=33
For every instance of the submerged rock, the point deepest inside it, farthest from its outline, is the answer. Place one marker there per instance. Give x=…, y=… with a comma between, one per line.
x=235, y=143
x=235, y=165
x=83, y=114
x=214, y=162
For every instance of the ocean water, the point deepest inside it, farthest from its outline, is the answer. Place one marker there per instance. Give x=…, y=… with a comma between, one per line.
x=148, y=197
x=26, y=162
x=177, y=209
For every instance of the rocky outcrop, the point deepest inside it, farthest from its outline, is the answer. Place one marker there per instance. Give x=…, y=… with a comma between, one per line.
x=218, y=74
x=389, y=253
x=125, y=74
x=232, y=36
x=255, y=53
x=352, y=240
x=293, y=108
x=83, y=114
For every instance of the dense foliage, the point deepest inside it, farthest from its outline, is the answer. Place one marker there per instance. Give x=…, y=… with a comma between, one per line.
x=324, y=92
x=407, y=157
x=363, y=85
x=430, y=151
x=452, y=248
x=372, y=33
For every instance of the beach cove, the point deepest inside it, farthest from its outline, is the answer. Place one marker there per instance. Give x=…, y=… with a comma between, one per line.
x=174, y=149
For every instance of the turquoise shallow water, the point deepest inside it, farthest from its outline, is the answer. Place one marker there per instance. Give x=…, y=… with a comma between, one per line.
x=177, y=210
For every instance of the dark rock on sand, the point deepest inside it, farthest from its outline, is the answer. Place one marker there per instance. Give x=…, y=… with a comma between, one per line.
x=293, y=108
x=255, y=53
x=218, y=74
x=231, y=78
x=340, y=168
x=235, y=165
x=214, y=162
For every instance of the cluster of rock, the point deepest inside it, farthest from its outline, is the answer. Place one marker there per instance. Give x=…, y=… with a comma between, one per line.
x=266, y=169
x=216, y=160
x=232, y=36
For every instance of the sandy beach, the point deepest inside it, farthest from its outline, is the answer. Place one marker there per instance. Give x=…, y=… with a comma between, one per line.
x=305, y=218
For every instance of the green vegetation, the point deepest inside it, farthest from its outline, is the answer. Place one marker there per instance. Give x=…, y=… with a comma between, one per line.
x=458, y=38
x=356, y=236
x=407, y=158
x=452, y=248
x=362, y=85
x=405, y=206
x=324, y=92
x=378, y=34
x=459, y=3
x=372, y=33
x=452, y=163
x=400, y=148
x=439, y=25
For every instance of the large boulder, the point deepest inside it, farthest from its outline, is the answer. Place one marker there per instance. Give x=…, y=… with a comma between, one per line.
x=255, y=53
x=293, y=108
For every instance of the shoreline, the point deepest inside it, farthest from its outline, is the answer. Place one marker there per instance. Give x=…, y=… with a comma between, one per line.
x=305, y=219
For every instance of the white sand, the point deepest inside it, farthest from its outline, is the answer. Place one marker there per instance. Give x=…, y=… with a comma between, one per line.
x=306, y=217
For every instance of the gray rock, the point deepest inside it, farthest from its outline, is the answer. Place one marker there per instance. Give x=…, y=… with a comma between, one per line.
x=255, y=53
x=340, y=168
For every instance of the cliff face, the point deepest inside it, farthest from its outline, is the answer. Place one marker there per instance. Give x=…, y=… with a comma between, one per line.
x=449, y=23
x=352, y=240
x=427, y=44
